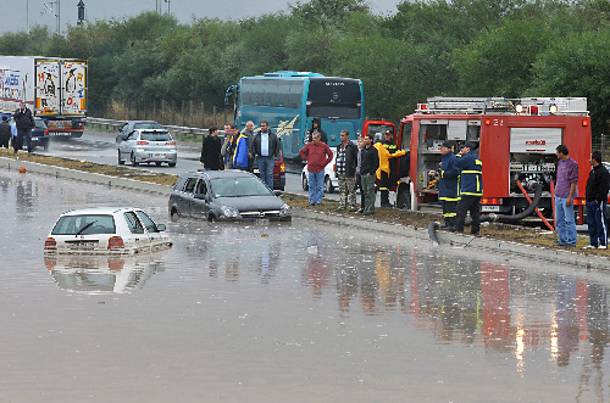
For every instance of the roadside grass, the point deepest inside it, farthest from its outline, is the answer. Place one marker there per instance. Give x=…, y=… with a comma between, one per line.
x=525, y=235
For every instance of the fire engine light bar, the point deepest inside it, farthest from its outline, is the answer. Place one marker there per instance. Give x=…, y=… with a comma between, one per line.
x=422, y=107
x=492, y=201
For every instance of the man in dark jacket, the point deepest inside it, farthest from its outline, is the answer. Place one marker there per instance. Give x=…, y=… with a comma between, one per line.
x=5, y=132
x=25, y=124
x=369, y=163
x=345, y=167
x=211, y=157
x=598, y=185
x=448, y=192
x=471, y=189
x=264, y=149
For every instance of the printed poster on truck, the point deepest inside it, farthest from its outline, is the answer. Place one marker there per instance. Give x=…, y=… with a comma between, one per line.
x=12, y=89
x=74, y=77
x=48, y=87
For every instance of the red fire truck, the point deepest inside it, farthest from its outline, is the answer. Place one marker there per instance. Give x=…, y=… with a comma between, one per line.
x=517, y=140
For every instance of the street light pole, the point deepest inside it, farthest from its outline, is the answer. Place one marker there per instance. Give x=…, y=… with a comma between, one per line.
x=27, y=16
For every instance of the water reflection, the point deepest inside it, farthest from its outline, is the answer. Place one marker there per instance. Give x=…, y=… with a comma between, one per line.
x=99, y=275
x=26, y=198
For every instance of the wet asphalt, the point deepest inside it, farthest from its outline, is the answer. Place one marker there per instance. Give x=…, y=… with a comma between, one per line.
x=304, y=312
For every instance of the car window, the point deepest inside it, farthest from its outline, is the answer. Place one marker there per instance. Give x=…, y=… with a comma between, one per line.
x=202, y=187
x=135, y=226
x=155, y=136
x=93, y=224
x=147, y=125
x=190, y=185
x=149, y=224
x=40, y=124
x=239, y=187
x=132, y=135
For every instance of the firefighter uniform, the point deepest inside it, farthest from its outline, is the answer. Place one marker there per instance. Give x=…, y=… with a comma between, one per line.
x=448, y=188
x=383, y=172
x=471, y=190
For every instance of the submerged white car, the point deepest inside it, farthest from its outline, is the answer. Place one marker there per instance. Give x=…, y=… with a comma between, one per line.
x=106, y=230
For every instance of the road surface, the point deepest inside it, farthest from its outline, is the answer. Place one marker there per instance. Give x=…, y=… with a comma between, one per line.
x=286, y=313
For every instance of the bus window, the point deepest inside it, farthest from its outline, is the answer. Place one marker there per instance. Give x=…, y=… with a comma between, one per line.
x=334, y=98
x=266, y=92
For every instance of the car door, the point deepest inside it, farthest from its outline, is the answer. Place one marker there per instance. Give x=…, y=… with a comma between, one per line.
x=188, y=193
x=140, y=236
x=199, y=203
x=128, y=144
x=154, y=235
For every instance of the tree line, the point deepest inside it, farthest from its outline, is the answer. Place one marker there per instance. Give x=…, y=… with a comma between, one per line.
x=425, y=48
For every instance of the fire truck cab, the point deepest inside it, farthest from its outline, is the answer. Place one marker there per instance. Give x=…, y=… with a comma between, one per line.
x=516, y=142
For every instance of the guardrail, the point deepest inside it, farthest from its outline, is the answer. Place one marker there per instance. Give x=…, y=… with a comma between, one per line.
x=174, y=129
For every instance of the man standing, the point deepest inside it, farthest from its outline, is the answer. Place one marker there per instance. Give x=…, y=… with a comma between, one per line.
x=228, y=146
x=471, y=189
x=25, y=123
x=241, y=155
x=210, y=151
x=5, y=132
x=383, y=173
x=598, y=185
x=448, y=192
x=264, y=149
x=249, y=132
x=369, y=163
x=318, y=155
x=347, y=159
x=565, y=192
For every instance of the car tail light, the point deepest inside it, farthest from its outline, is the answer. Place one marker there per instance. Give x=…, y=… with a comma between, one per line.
x=491, y=201
x=579, y=202
x=171, y=143
x=115, y=242
x=46, y=132
x=50, y=244
x=142, y=142
x=282, y=167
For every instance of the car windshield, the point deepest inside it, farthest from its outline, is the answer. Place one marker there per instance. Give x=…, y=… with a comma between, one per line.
x=156, y=136
x=147, y=125
x=239, y=187
x=85, y=225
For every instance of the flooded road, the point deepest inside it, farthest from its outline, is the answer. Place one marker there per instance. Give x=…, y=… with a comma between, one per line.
x=306, y=312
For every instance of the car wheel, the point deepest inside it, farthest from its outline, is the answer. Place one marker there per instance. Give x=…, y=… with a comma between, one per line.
x=172, y=164
x=304, y=183
x=211, y=218
x=158, y=164
x=133, y=160
x=120, y=161
x=328, y=185
x=46, y=146
x=173, y=215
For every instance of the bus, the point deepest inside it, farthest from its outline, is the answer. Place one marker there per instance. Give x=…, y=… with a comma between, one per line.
x=290, y=101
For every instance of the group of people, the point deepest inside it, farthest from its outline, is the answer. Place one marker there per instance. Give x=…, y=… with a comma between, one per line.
x=241, y=150
x=18, y=130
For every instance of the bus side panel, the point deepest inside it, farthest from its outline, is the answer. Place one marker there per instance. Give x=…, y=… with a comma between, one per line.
x=494, y=153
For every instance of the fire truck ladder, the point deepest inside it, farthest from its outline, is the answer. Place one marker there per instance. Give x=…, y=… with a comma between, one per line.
x=468, y=105
x=528, y=106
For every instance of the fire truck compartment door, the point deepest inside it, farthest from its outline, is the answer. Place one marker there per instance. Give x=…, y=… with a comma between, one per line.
x=535, y=140
x=457, y=130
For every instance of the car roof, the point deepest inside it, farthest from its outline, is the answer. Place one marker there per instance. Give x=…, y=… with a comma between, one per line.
x=142, y=121
x=227, y=173
x=98, y=211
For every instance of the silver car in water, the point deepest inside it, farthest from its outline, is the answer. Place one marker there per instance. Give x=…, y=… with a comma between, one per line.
x=147, y=146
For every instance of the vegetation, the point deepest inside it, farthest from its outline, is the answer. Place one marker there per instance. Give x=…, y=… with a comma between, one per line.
x=426, y=48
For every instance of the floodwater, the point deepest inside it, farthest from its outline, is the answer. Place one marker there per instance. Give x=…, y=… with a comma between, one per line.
x=307, y=312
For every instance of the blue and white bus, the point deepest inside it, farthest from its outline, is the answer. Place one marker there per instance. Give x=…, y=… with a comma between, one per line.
x=290, y=101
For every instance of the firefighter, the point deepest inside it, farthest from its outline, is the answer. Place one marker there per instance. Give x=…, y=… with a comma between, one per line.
x=471, y=188
x=448, y=187
x=383, y=172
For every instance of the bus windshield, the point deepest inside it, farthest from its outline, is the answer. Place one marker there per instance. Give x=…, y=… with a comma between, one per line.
x=336, y=98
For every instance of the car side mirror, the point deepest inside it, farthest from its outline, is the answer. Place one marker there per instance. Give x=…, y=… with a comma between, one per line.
x=161, y=227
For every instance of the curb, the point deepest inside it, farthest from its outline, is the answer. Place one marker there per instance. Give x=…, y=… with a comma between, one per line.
x=529, y=254
x=510, y=251
x=89, y=177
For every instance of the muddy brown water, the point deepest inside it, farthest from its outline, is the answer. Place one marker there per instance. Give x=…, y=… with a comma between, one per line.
x=282, y=313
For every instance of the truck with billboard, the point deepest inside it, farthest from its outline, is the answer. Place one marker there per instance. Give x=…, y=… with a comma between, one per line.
x=54, y=88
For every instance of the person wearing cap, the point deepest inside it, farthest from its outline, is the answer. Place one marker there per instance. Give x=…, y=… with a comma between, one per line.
x=383, y=172
x=598, y=185
x=448, y=191
x=5, y=132
x=471, y=188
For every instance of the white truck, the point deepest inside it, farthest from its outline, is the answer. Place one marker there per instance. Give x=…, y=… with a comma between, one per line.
x=54, y=88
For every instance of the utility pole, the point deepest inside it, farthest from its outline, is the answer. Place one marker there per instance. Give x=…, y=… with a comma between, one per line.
x=81, y=13
x=169, y=7
x=27, y=16
x=58, y=15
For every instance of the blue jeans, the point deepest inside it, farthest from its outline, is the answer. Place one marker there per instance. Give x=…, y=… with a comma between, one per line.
x=316, y=187
x=566, y=224
x=265, y=168
x=596, y=221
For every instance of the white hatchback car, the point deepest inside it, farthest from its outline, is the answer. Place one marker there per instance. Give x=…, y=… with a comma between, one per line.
x=106, y=230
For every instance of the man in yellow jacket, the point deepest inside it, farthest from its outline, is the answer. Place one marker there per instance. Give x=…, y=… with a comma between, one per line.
x=383, y=172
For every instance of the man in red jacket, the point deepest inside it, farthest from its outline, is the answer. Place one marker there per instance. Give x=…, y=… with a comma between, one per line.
x=317, y=154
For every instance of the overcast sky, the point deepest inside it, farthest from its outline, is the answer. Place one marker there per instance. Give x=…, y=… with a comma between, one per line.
x=119, y=9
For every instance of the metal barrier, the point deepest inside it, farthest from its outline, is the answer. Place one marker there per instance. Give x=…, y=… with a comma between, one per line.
x=174, y=129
